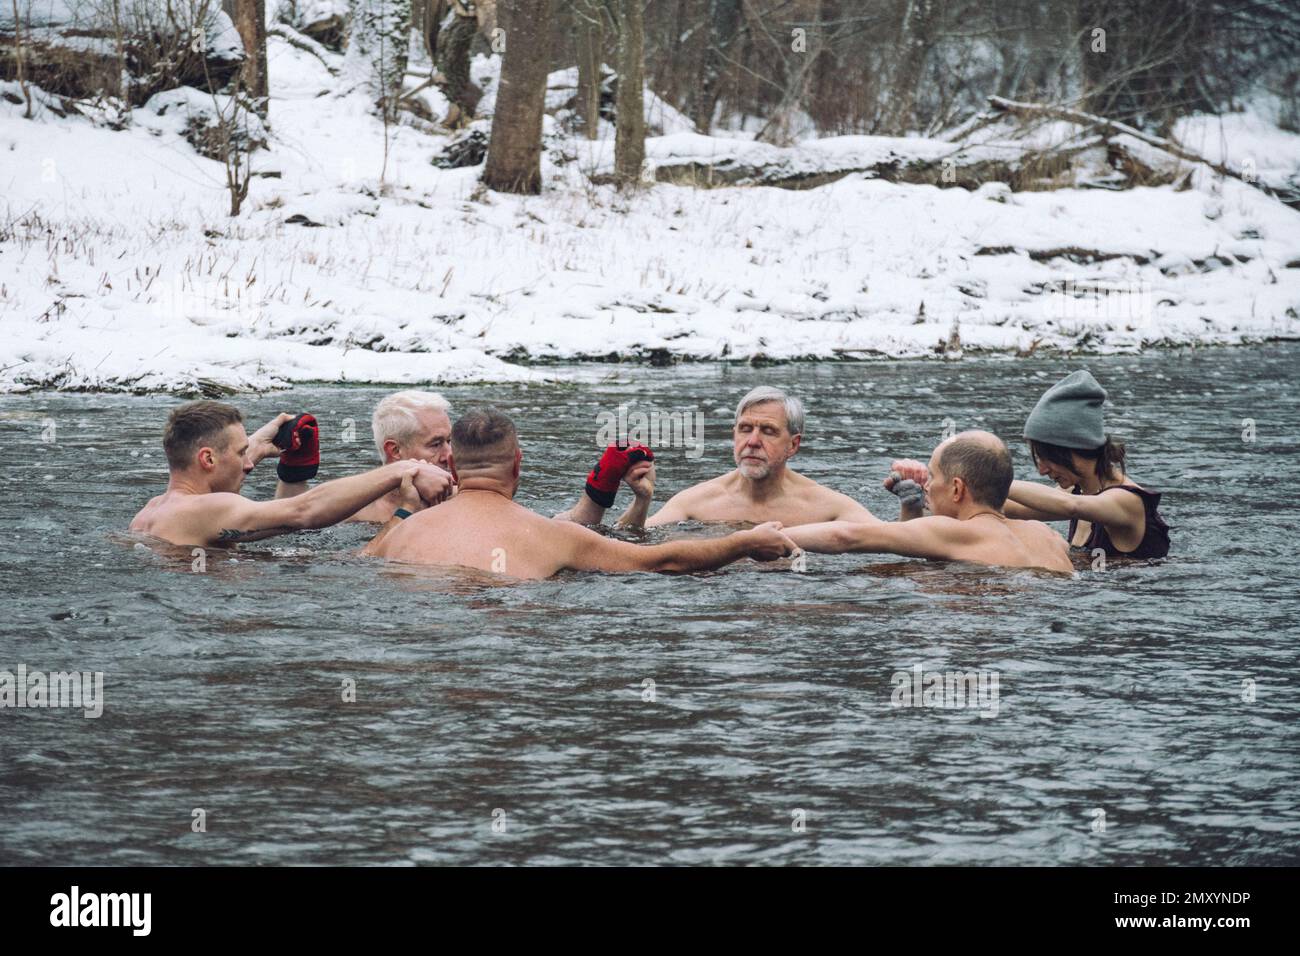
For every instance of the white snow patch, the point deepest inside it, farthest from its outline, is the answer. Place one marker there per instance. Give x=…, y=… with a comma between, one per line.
x=120, y=267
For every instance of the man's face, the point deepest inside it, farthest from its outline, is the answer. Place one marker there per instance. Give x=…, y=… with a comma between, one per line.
x=431, y=443
x=229, y=459
x=763, y=442
x=938, y=490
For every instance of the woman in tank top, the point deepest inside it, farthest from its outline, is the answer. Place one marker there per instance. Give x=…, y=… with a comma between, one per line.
x=1106, y=509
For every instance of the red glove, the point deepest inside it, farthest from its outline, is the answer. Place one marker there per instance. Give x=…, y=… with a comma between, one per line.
x=602, y=482
x=299, y=438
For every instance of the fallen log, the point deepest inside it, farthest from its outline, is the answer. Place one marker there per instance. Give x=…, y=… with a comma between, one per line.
x=1110, y=128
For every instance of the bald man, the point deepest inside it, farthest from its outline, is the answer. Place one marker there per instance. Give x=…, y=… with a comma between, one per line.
x=482, y=527
x=965, y=491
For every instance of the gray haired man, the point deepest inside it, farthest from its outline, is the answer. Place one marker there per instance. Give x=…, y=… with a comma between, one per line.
x=408, y=425
x=763, y=487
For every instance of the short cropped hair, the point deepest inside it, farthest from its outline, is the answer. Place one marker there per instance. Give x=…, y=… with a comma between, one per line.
x=395, y=416
x=986, y=468
x=481, y=435
x=767, y=393
x=194, y=425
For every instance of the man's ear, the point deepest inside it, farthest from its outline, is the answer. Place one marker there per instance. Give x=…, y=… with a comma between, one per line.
x=519, y=457
x=206, y=458
x=959, y=490
x=795, y=442
x=391, y=449
x=451, y=466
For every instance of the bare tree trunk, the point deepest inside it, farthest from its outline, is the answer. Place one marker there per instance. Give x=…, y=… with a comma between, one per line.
x=426, y=17
x=453, y=62
x=629, y=139
x=591, y=41
x=915, y=38
x=1090, y=16
x=487, y=16
x=515, y=147
x=723, y=27
x=18, y=59
x=250, y=21
x=829, y=106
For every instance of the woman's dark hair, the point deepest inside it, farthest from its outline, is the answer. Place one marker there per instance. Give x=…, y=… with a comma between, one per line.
x=1109, y=457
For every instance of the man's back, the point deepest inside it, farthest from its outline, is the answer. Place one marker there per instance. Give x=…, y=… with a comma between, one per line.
x=1010, y=543
x=483, y=530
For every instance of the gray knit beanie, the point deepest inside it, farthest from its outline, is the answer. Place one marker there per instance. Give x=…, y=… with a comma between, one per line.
x=1069, y=414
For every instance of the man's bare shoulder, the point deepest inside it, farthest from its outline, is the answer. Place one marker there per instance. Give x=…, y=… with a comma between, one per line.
x=707, y=489
x=801, y=484
x=695, y=502
x=1052, y=538
x=186, y=518
x=1046, y=546
x=835, y=504
x=844, y=503
x=173, y=505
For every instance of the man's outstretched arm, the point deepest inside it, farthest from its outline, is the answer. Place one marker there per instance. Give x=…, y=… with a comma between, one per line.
x=593, y=552
x=232, y=518
x=931, y=537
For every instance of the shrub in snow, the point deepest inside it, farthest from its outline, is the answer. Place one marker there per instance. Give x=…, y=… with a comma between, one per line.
x=466, y=148
x=997, y=192
x=377, y=48
x=127, y=48
x=211, y=124
x=325, y=21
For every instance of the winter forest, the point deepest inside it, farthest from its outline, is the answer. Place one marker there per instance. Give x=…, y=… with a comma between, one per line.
x=272, y=191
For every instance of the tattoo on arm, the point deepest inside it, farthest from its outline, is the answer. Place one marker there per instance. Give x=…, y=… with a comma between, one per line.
x=231, y=534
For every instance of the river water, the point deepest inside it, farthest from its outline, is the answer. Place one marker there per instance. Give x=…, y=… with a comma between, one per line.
x=1145, y=714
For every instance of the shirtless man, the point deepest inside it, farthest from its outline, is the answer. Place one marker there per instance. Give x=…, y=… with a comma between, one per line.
x=969, y=476
x=409, y=425
x=482, y=527
x=208, y=456
x=414, y=425
x=767, y=434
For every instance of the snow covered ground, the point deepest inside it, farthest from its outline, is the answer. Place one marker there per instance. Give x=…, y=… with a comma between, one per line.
x=120, y=268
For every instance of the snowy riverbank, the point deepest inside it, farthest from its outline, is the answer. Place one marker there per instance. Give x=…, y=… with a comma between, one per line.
x=120, y=270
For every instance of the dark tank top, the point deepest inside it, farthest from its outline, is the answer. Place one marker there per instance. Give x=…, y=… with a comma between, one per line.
x=1154, y=543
